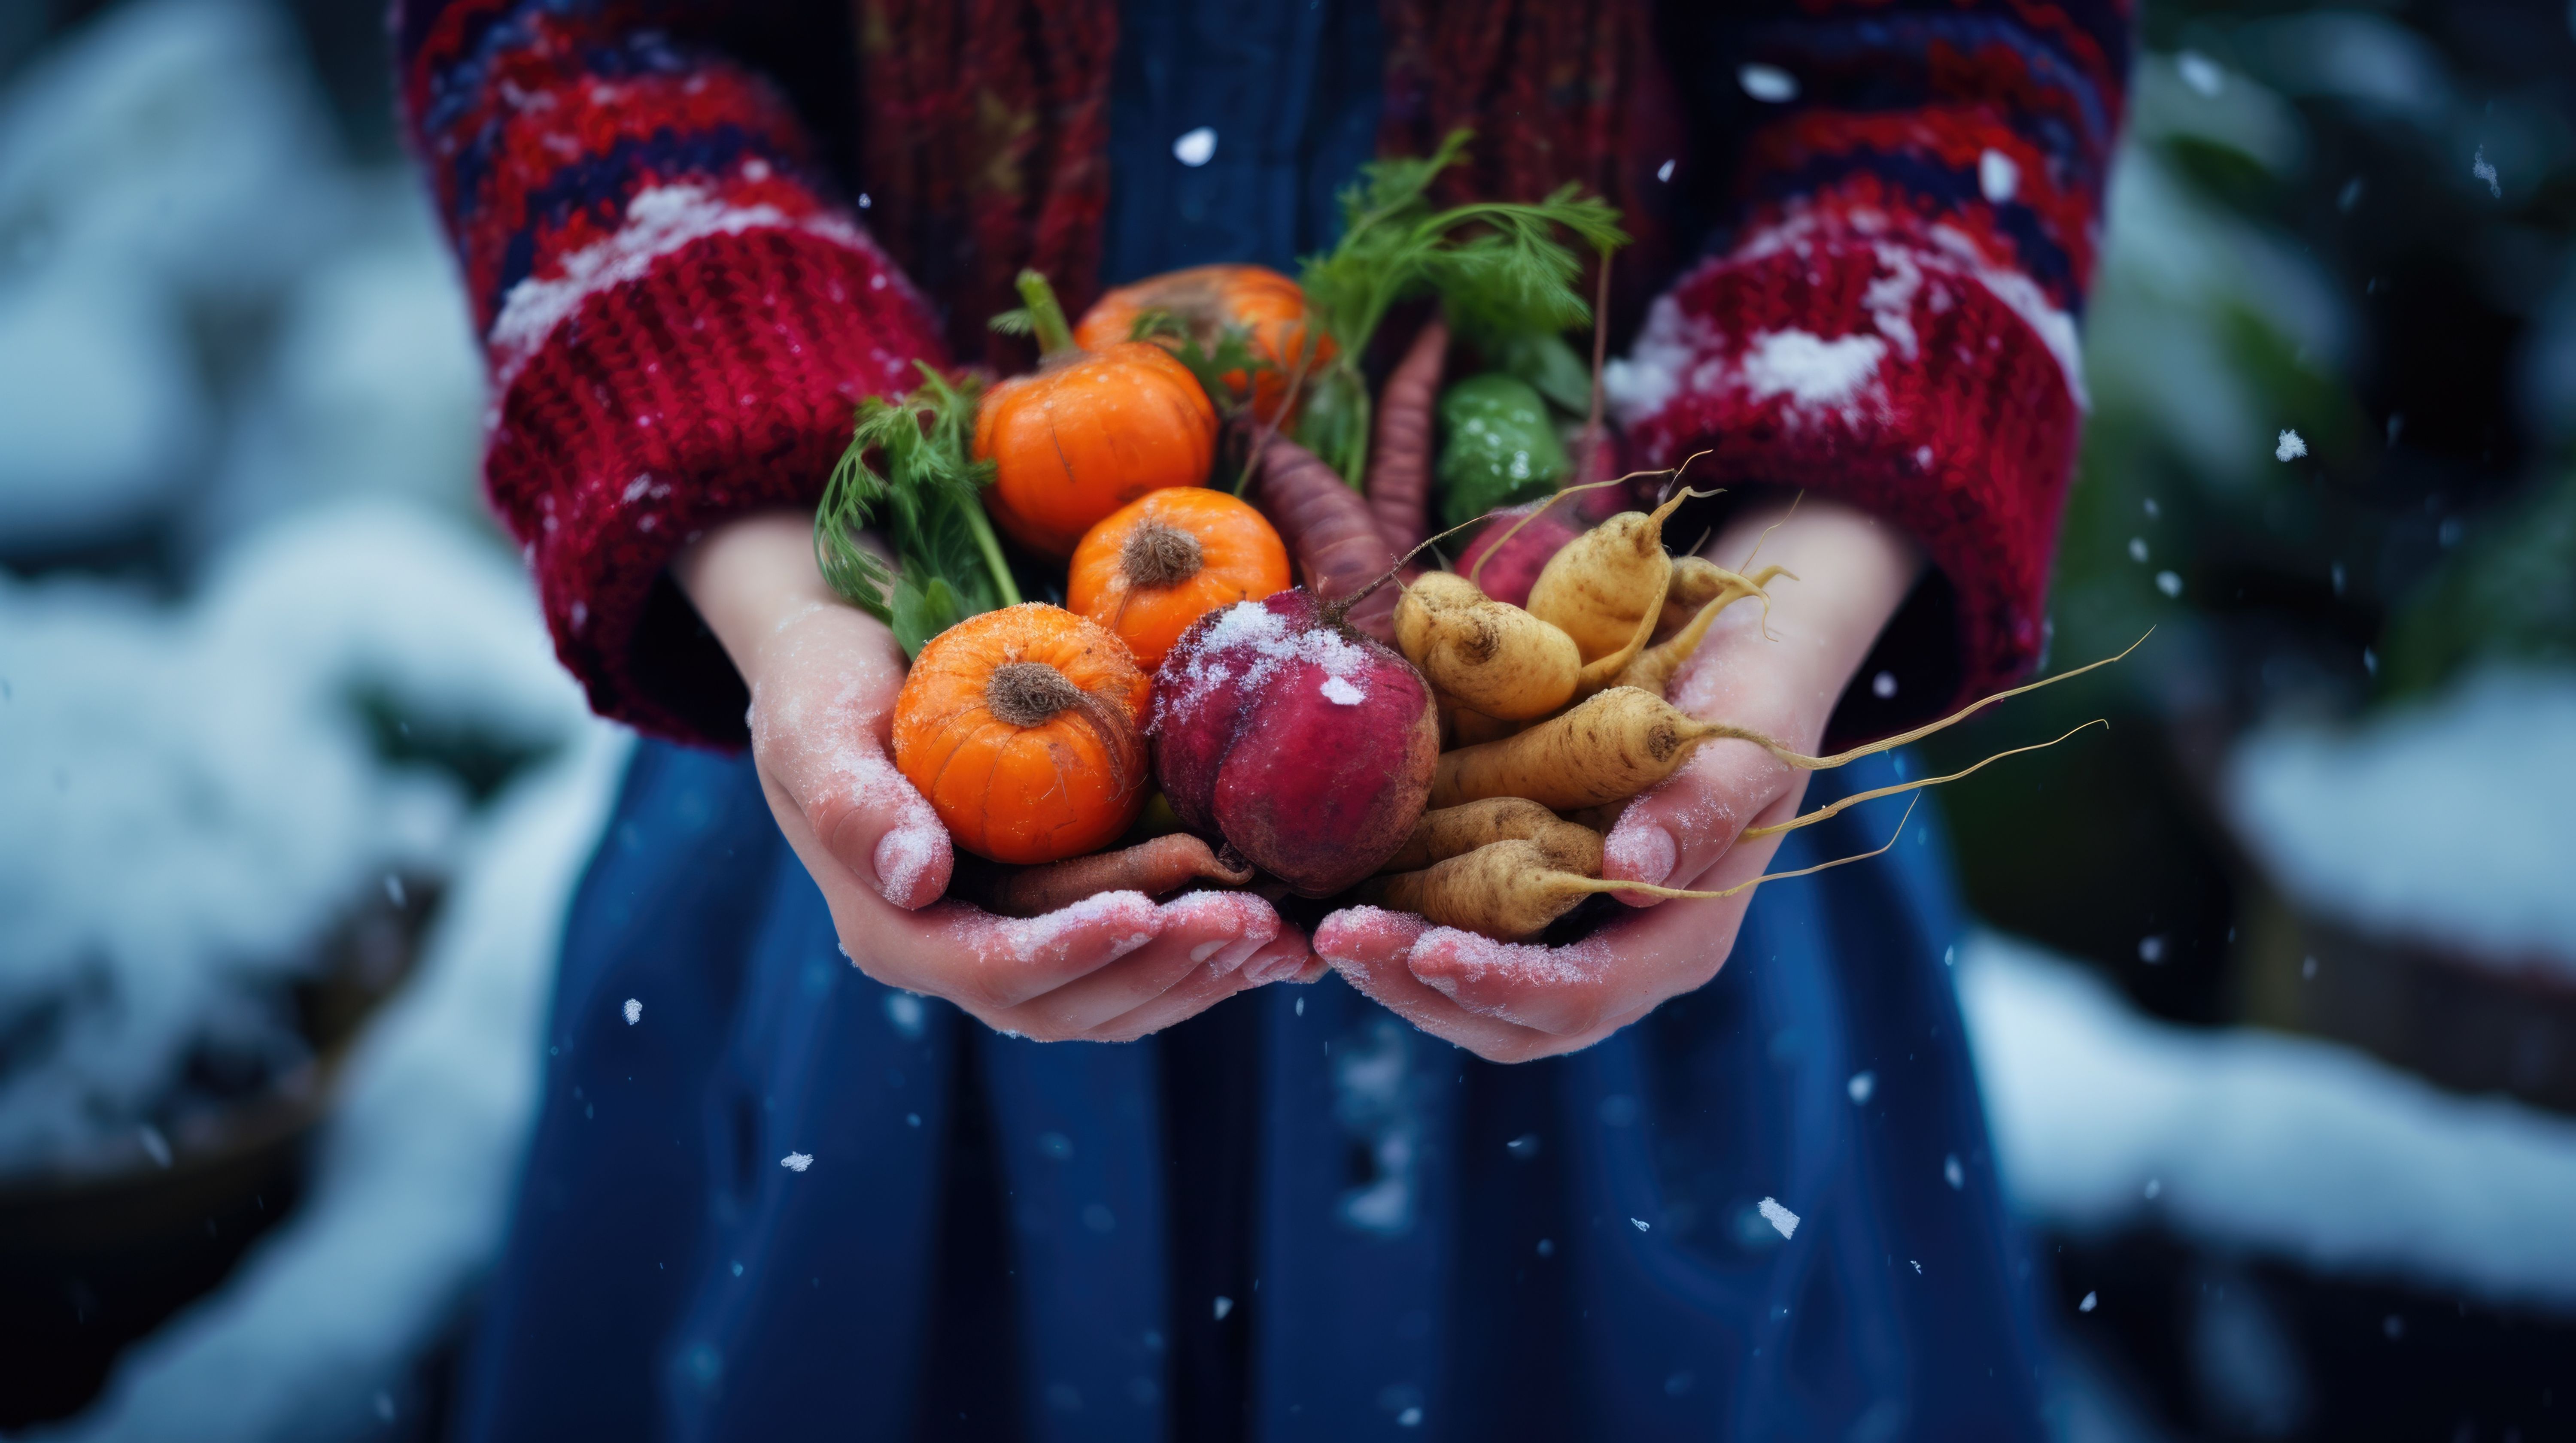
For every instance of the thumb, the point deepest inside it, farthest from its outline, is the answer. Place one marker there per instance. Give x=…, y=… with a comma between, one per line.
x=876, y=823
x=820, y=724
x=1674, y=834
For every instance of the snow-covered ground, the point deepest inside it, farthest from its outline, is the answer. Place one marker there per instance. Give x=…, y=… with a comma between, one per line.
x=315, y=1336
x=2260, y=1143
x=2451, y=822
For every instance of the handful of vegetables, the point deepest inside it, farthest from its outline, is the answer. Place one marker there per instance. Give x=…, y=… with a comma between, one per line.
x=1416, y=743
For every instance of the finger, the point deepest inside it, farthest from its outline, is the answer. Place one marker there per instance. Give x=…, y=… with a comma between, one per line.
x=983, y=963
x=1369, y=946
x=1215, y=932
x=822, y=737
x=1205, y=988
x=1674, y=834
x=1556, y=990
x=1626, y=969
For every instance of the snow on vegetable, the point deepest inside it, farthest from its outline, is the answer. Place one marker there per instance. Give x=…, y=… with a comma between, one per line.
x=1256, y=740
x=1163, y=561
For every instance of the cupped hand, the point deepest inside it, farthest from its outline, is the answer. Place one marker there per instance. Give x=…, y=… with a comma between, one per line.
x=1515, y=1002
x=823, y=680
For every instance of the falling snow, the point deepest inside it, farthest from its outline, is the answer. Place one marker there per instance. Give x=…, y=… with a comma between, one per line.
x=2201, y=73
x=797, y=1161
x=1862, y=1084
x=2289, y=447
x=1195, y=148
x=2485, y=170
x=1767, y=83
x=1779, y=1217
x=634, y=1011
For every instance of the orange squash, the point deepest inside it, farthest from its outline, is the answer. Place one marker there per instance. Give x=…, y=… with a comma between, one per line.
x=1023, y=728
x=1165, y=560
x=1087, y=432
x=1206, y=300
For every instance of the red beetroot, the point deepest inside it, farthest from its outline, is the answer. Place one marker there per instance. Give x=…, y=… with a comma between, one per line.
x=1307, y=745
x=1512, y=568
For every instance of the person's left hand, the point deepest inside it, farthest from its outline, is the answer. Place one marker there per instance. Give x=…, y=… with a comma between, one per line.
x=1512, y=1003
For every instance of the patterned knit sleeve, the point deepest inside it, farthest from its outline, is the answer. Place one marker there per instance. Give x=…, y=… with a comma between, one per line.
x=1889, y=317
x=677, y=319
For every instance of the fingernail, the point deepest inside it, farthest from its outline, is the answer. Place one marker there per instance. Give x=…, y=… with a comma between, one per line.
x=1272, y=969
x=1207, y=949
x=1643, y=852
x=902, y=856
x=1235, y=956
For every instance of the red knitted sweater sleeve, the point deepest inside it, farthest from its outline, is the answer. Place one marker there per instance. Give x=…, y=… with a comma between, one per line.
x=1891, y=320
x=677, y=320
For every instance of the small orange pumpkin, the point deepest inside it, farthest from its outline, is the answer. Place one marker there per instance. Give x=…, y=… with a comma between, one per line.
x=1087, y=432
x=1022, y=728
x=1207, y=299
x=1168, y=558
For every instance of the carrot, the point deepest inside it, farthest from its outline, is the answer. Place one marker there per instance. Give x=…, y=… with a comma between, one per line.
x=1330, y=530
x=1608, y=748
x=1505, y=890
x=1399, y=469
x=1618, y=743
x=1605, y=588
x=1653, y=668
x=1486, y=656
x=1164, y=864
x=1453, y=831
x=1697, y=581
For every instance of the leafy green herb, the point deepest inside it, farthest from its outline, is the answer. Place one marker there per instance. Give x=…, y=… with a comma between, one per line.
x=1232, y=356
x=1503, y=277
x=927, y=501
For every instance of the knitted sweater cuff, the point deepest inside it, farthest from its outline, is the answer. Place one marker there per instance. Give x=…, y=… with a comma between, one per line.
x=1900, y=373
x=717, y=378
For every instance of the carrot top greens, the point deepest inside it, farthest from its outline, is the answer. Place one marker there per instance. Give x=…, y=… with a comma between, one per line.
x=948, y=564
x=1501, y=274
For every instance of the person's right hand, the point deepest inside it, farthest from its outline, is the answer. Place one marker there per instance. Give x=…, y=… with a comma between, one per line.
x=823, y=678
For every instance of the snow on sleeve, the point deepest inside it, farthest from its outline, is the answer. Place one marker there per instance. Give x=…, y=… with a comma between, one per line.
x=2260, y=1142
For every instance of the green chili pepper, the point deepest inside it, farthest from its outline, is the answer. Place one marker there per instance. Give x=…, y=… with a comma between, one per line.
x=1497, y=448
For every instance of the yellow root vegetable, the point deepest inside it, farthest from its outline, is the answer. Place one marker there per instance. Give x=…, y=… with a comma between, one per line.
x=1809, y=819
x=1487, y=656
x=1507, y=891
x=1653, y=669
x=1618, y=743
x=1697, y=581
x=1606, y=586
x=1608, y=748
x=1501, y=890
x=1454, y=831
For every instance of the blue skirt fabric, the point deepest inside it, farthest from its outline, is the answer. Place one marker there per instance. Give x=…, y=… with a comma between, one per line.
x=983, y=1243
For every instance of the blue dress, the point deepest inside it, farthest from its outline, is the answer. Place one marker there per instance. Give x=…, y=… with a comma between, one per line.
x=1294, y=1217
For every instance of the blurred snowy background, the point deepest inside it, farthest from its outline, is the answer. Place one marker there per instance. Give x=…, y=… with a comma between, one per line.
x=2276, y=1004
